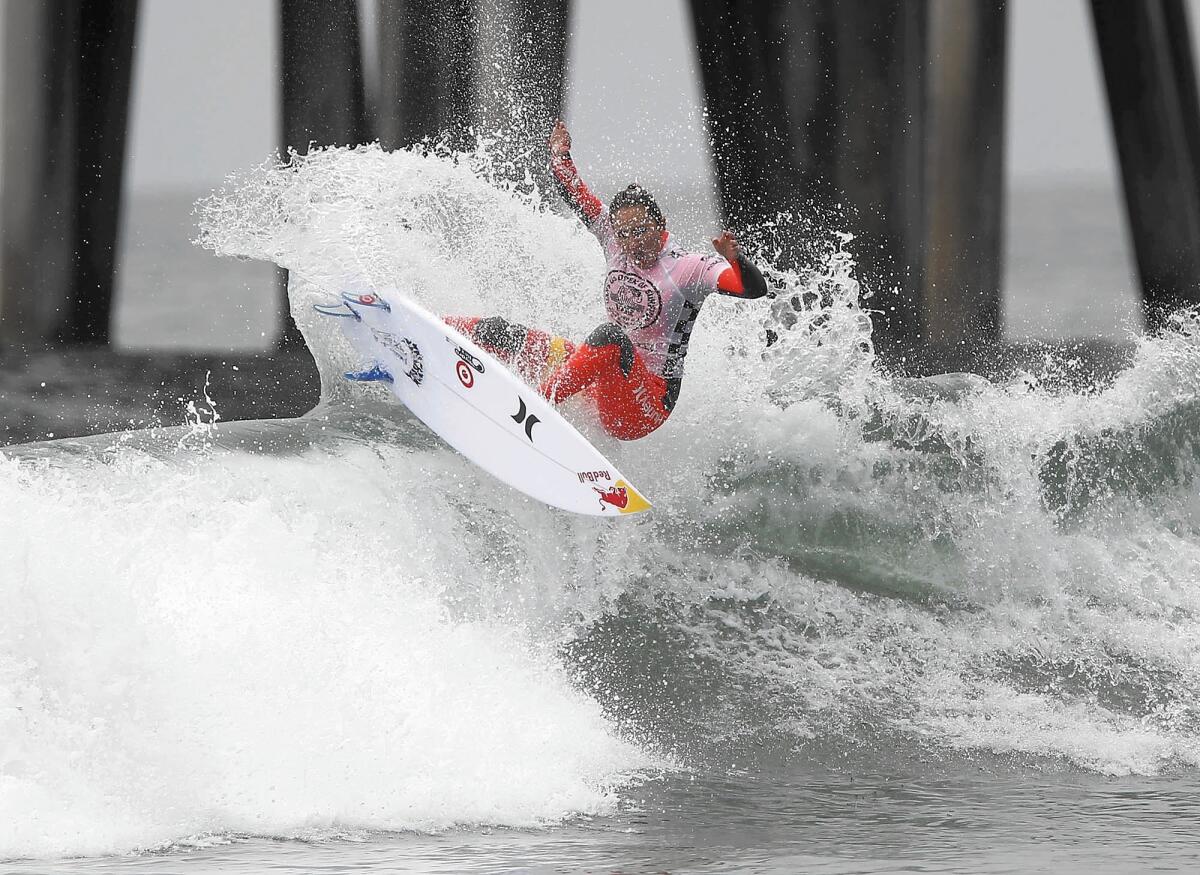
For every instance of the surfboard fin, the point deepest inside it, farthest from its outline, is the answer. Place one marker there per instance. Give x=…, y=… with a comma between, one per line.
x=342, y=309
x=365, y=299
x=373, y=374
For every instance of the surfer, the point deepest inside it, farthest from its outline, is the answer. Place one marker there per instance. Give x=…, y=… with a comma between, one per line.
x=632, y=365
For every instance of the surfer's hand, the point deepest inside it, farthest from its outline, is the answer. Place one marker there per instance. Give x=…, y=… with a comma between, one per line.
x=727, y=246
x=560, y=140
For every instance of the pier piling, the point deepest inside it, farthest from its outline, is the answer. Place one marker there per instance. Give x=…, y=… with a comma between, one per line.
x=321, y=89
x=68, y=67
x=820, y=105
x=321, y=77
x=427, y=75
x=965, y=177
x=1150, y=76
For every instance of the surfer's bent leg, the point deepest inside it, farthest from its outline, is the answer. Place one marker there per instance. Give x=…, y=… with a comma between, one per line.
x=629, y=398
x=496, y=334
x=533, y=353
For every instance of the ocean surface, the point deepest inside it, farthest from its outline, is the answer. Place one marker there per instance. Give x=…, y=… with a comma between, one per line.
x=871, y=625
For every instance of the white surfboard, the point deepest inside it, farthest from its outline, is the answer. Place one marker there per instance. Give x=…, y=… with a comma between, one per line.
x=479, y=407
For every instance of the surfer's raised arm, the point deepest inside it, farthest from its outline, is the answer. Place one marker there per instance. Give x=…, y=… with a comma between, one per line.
x=573, y=188
x=741, y=279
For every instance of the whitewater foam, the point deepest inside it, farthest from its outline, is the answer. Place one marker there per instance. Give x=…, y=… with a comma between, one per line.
x=924, y=510
x=335, y=623
x=247, y=643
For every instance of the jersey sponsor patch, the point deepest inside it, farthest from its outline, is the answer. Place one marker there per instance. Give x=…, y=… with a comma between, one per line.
x=632, y=301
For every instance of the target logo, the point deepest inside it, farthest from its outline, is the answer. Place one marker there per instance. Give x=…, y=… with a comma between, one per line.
x=465, y=375
x=366, y=299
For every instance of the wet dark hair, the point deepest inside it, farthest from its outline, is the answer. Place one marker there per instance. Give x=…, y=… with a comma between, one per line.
x=634, y=195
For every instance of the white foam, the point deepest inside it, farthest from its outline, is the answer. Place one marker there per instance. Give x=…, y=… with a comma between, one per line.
x=232, y=642
x=768, y=458
x=364, y=634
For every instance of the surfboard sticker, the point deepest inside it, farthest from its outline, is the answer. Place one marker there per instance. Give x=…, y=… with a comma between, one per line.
x=478, y=406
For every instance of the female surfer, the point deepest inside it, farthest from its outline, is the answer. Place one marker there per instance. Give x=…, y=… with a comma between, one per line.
x=632, y=365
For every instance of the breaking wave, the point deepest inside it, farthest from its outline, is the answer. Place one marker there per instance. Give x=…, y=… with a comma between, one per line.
x=337, y=623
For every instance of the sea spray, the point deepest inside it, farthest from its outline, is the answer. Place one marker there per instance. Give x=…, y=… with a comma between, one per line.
x=900, y=532
x=209, y=647
x=336, y=623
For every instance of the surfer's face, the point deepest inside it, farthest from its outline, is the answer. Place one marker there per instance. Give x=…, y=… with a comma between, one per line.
x=639, y=234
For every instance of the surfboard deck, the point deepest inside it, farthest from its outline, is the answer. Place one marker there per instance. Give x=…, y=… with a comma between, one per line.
x=479, y=407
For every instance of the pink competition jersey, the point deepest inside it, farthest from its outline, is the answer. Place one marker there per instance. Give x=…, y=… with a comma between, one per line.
x=658, y=307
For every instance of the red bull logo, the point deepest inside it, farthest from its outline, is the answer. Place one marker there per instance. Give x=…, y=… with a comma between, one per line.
x=617, y=496
x=620, y=497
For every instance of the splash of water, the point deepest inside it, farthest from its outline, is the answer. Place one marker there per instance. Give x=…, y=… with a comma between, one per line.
x=929, y=511
x=194, y=644
x=336, y=623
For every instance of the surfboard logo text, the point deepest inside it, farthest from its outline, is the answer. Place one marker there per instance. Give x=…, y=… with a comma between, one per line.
x=521, y=417
x=368, y=299
x=467, y=357
x=405, y=350
x=592, y=476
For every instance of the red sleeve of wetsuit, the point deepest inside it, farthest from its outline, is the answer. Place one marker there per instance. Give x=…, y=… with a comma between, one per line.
x=742, y=279
x=730, y=280
x=575, y=190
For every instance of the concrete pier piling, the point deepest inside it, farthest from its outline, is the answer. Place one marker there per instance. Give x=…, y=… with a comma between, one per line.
x=965, y=177
x=767, y=111
x=427, y=75
x=881, y=129
x=67, y=73
x=321, y=74
x=1150, y=76
x=520, y=73
x=815, y=104
x=321, y=89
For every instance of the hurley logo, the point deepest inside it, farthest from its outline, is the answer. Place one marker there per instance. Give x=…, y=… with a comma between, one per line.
x=521, y=417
